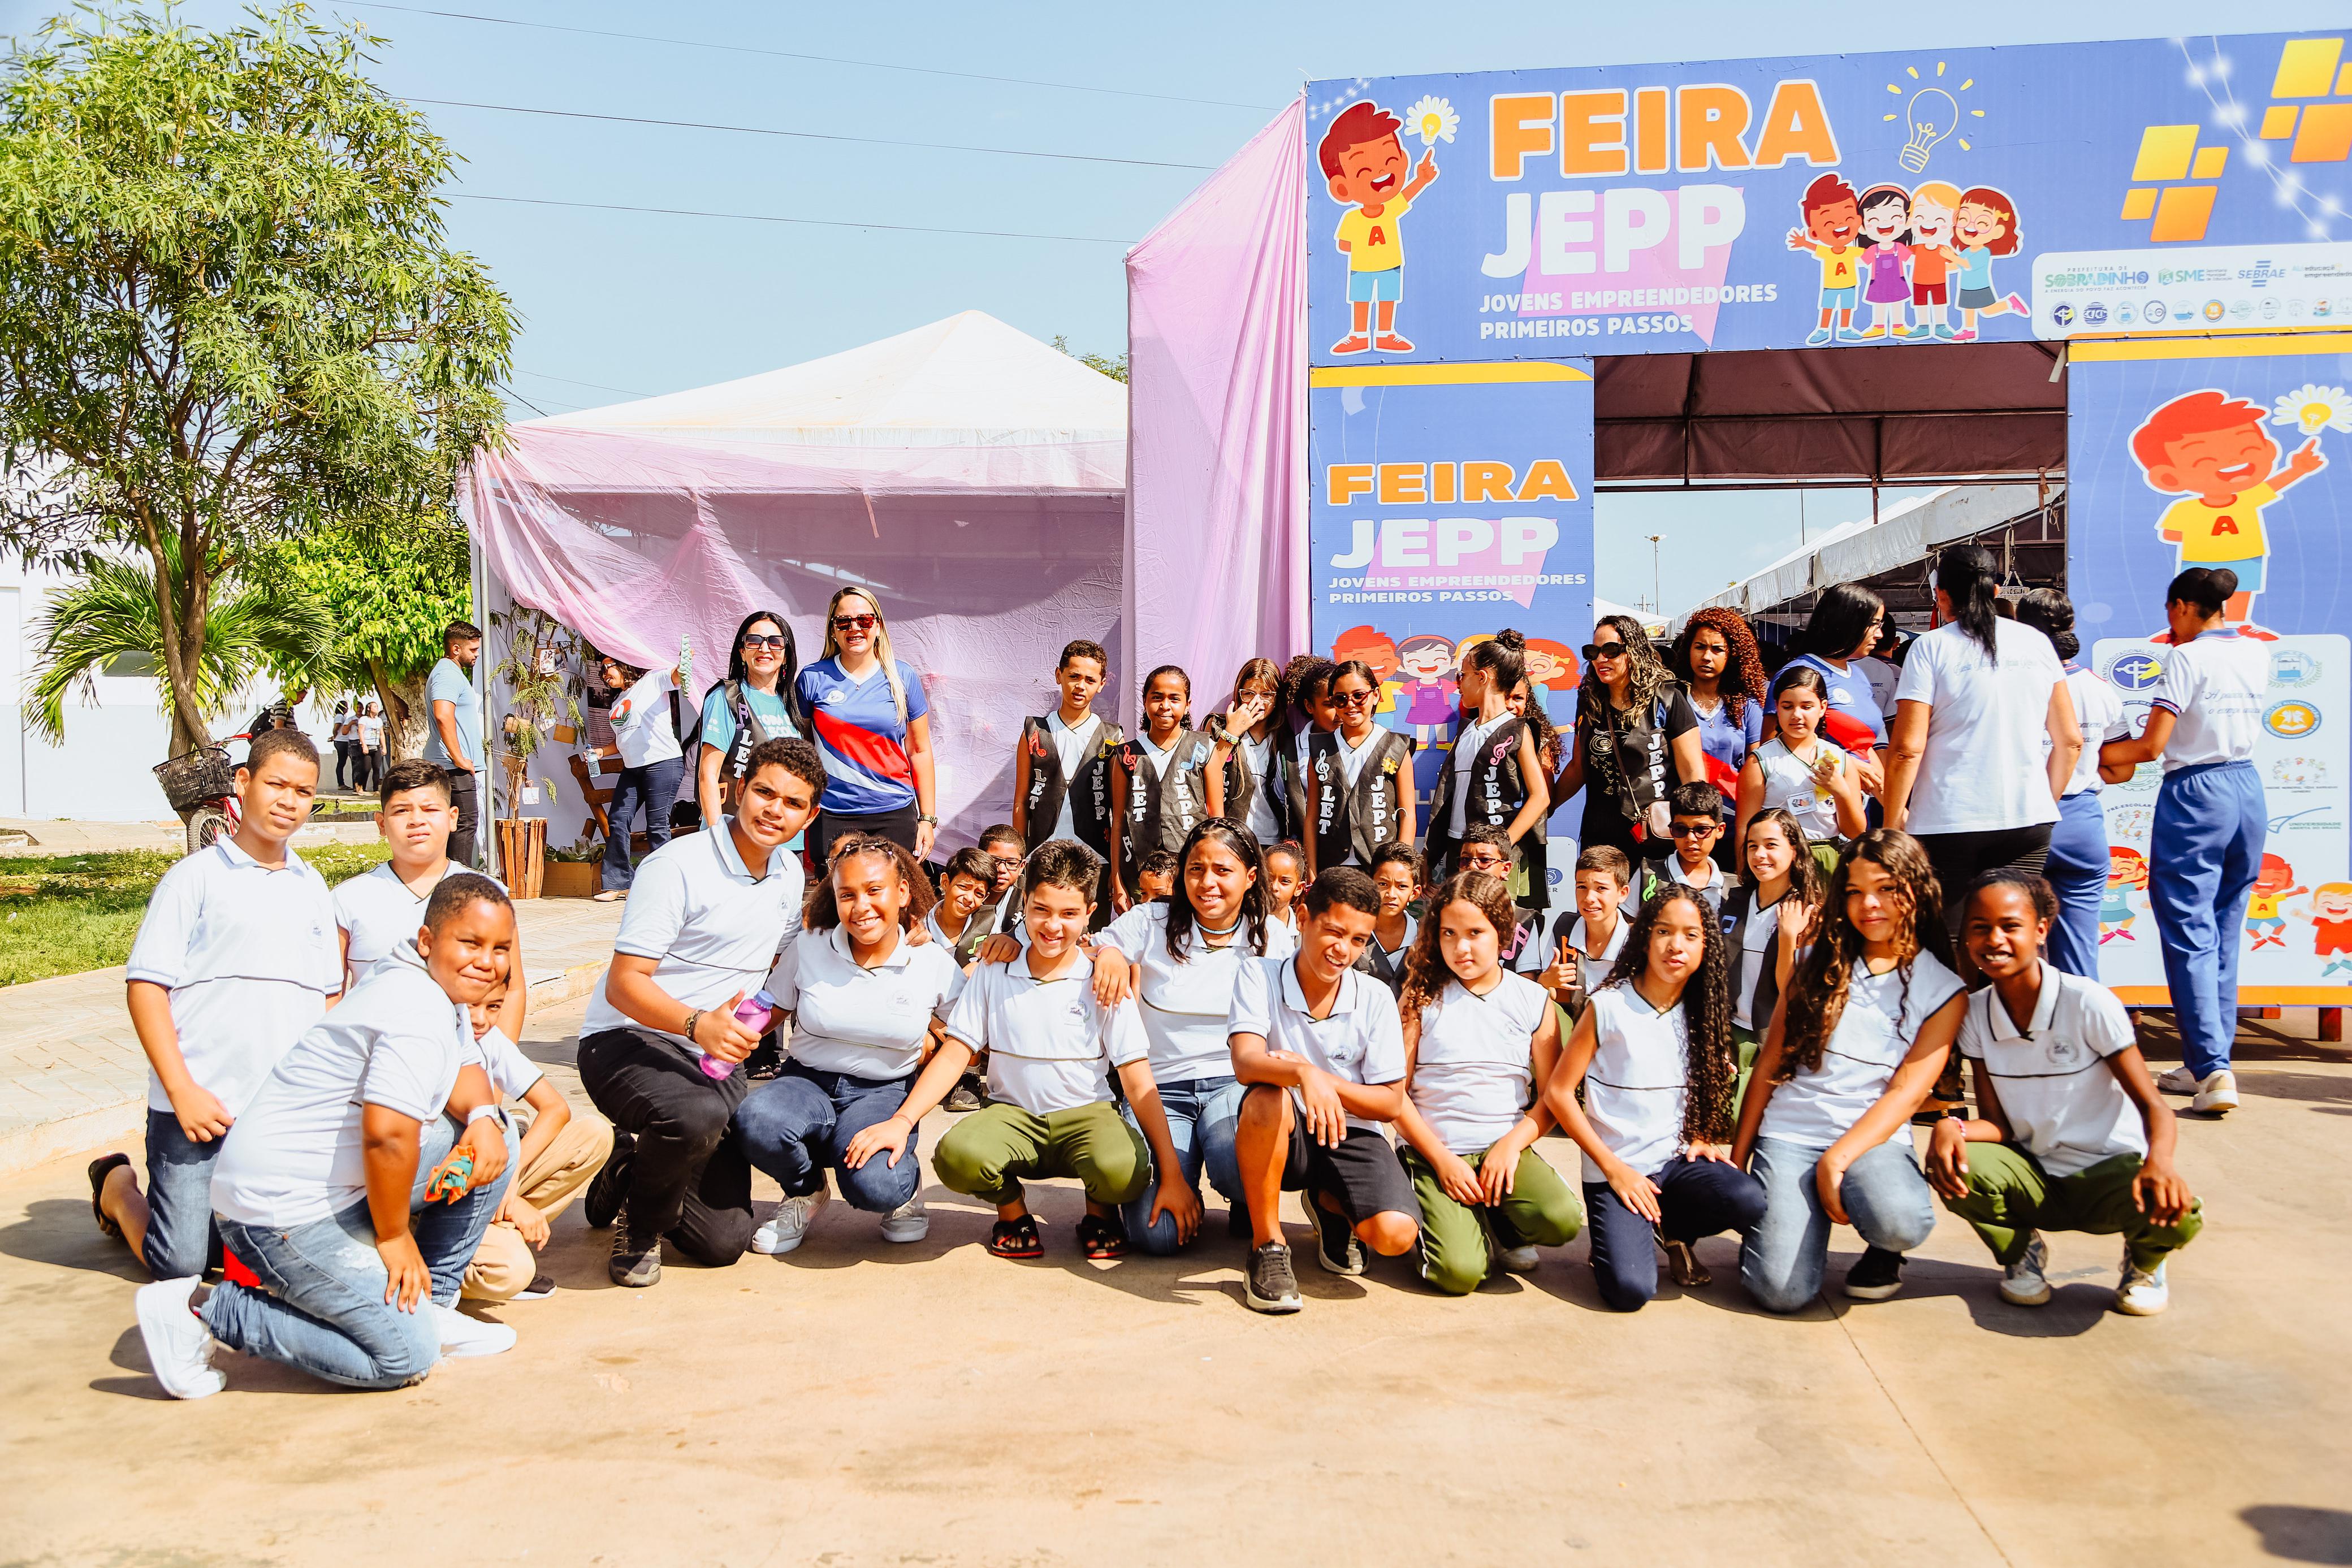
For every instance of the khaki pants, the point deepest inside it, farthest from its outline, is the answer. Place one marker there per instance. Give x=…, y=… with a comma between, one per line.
x=504, y=1263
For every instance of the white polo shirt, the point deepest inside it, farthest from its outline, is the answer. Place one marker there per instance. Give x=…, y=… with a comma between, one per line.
x=1473, y=1068
x=2060, y=1099
x=641, y=722
x=250, y=957
x=1363, y=1040
x=1985, y=765
x=1875, y=1032
x=2099, y=711
x=1050, y=1044
x=1184, y=1006
x=1594, y=967
x=867, y=1022
x=1758, y=945
x=295, y=1152
x=711, y=928
x=378, y=914
x=2215, y=685
x=1639, y=1082
x=511, y=1072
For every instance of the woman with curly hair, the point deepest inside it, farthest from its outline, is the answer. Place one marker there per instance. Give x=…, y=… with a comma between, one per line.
x=1716, y=661
x=1479, y=1043
x=1654, y=1055
x=1637, y=738
x=1860, y=1037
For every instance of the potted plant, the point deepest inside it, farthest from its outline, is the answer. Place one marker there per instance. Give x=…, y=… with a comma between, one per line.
x=540, y=670
x=572, y=872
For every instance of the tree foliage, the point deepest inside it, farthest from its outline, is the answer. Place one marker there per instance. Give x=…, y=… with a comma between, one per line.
x=1101, y=364
x=228, y=314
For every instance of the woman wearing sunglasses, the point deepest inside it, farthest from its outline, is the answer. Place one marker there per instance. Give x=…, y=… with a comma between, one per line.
x=753, y=703
x=1637, y=738
x=867, y=713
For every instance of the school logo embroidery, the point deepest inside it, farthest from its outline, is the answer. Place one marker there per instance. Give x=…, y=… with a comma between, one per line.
x=2292, y=720
x=2136, y=671
x=2292, y=667
x=2062, y=1053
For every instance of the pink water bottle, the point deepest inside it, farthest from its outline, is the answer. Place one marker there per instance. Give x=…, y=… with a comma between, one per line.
x=753, y=1013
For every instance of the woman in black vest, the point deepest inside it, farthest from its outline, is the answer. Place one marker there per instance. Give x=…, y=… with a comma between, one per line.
x=1249, y=774
x=1159, y=780
x=1494, y=778
x=1062, y=773
x=753, y=703
x=1359, y=788
x=1637, y=738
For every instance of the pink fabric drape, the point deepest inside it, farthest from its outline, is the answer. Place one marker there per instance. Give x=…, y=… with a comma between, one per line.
x=1216, y=507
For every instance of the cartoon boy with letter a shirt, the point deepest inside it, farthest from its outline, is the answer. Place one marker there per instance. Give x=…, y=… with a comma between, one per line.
x=1832, y=219
x=1365, y=163
x=2212, y=449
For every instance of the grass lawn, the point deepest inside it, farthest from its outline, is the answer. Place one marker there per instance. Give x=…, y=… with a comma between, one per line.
x=70, y=913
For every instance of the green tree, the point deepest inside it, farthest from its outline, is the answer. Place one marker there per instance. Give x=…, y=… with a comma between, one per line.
x=229, y=313
x=1102, y=364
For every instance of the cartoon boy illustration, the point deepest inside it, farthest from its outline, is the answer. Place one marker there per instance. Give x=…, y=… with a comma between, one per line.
x=2273, y=886
x=1833, y=218
x=1365, y=165
x=2331, y=925
x=1376, y=648
x=2212, y=449
x=1886, y=225
x=1932, y=258
x=1985, y=224
x=2127, y=874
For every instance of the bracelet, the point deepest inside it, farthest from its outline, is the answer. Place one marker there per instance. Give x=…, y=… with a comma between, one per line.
x=691, y=1020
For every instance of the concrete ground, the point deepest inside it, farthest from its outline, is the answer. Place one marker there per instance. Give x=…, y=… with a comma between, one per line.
x=861, y=1403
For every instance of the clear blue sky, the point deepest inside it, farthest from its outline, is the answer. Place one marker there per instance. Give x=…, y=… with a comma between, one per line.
x=616, y=304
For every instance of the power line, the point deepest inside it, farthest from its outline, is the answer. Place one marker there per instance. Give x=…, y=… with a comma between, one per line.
x=524, y=400
x=807, y=135
x=600, y=386
x=822, y=60
x=766, y=218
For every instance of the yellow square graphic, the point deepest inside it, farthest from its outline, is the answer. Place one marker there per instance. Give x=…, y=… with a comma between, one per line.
x=2139, y=203
x=2183, y=212
x=2326, y=136
x=2164, y=152
x=2306, y=67
x=2209, y=163
x=2278, y=120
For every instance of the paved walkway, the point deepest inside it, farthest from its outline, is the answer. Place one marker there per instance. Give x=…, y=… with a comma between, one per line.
x=32, y=836
x=72, y=1074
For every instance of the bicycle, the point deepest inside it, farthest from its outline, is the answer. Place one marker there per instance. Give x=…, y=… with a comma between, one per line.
x=202, y=783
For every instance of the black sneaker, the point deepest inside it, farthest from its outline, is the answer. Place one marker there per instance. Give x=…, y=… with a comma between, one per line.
x=766, y=1060
x=965, y=1095
x=1878, y=1276
x=542, y=1286
x=1336, y=1247
x=609, y=1186
x=1268, y=1284
x=633, y=1263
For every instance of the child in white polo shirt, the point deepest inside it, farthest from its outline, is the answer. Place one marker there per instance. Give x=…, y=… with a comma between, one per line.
x=234, y=959
x=1320, y=1044
x=2071, y=1135
x=1050, y=1048
x=558, y=1156
x=1587, y=940
x=381, y=910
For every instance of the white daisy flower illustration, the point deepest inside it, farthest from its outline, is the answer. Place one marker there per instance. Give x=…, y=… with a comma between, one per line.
x=1432, y=120
x=2312, y=409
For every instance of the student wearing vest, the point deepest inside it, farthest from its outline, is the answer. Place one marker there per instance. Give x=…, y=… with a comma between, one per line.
x=1495, y=777
x=1359, y=790
x=1249, y=772
x=1766, y=920
x=1159, y=780
x=753, y=705
x=1304, y=729
x=1062, y=772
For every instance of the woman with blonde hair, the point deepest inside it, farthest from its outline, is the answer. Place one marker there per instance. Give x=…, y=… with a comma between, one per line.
x=869, y=718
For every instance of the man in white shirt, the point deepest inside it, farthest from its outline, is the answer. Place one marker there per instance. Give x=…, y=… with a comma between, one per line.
x=1323, y=1049
x=235, y=959
x=335, y=1200
x=661, y=1049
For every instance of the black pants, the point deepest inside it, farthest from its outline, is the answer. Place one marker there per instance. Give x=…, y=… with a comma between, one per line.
x=898, y=826
x=1696, y=1198
x=372, y=767
x=1960, y=857
x=461, y=837
x=347, y=761
x=688, y=1181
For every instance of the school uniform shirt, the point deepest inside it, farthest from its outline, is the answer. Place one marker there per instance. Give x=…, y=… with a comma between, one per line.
x=976, y=930
x=511, y=1072
x=2064, y=1104
x=378, y=915
x=250, y=957
x=1758, y=945
x=1789, y=785
x=1466, y=747
x=1639, y=1082
x=1051, y=1046
x=870, y=1022
x=1074, y=746
x=1184, y=1006
x=1593, y=968
x=1363, y=1040
x=2213, y=685
x=1473, y=1070
x=711, y=928
x=2099, y=710
x=1395, y=955
x=1985, y=765
x=1850, y=696
x=1713, y=884
x=860, y=735
x=296, y=1153
x=1262, y=824
x=641, y=722
x=1873, y=1034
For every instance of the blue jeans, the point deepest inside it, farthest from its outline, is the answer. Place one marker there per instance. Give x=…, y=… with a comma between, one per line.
x=2207, y=846
x=1886, y=1195
x=652, y=788
x=1202, y=1115
x=181, y=1241
x=320, y=1307
x=795, y=1125
x=2077, y=869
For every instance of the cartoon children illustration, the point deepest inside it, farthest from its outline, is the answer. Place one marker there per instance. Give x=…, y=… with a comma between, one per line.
x=1364, y=166
x=2331, y=925
x=2127, y=874
x=2273, y=886
x=1552, y=667
x=1886, y=224
x=1985, y=224
x=1932, y=258
x=1377, y=649
x=1832, y=220
x=1427, y=690
x=2212, y=449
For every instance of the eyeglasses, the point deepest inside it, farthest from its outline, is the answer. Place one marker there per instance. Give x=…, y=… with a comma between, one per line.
x=1483, y=862
x=1604, y=651
x=756, y=639
x=1694, y=830
x=1352, y=699
x=854, y=622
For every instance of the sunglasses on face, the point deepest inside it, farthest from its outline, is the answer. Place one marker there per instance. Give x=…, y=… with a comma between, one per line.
x=1604, y=651
x=854, y=623
x=1352, y=699
x=1694, y=830
x=1483, y=862
x=755, y=640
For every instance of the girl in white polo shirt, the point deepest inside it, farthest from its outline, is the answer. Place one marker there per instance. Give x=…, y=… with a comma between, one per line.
x=2210, y=822
x=1480, y=1044
x=1655, y=1056
x=1801, y=772
x=1860, y=1036
x=861, y=1000
x=1765, y=922
x=2072, y=1136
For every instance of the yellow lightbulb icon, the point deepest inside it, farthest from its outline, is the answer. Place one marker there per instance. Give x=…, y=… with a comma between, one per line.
x=2313, y=417
x=1933, y=115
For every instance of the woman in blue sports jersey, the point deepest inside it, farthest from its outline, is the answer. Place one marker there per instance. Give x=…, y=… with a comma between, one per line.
x=867, y=713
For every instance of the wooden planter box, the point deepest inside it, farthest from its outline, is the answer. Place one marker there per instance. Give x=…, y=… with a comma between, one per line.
x=522, y=848
x=570, y=879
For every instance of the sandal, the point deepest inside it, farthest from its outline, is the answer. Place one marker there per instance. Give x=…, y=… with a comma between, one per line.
x=1101, y=1239
x=1683, y=1266
x=1016, y=1239
x=99, y=1169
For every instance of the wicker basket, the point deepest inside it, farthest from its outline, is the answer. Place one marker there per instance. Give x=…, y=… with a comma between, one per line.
x=195, y=777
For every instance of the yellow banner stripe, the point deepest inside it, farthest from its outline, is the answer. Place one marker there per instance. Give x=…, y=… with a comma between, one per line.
x=1443, y=375
x=2220, y=346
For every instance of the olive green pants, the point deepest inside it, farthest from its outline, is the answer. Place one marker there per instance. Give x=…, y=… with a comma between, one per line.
x=2011, y=1197
x=991, y=1151
x=1542, y=1210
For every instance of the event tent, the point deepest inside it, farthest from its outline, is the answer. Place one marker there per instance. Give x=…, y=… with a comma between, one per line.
x=971, y=476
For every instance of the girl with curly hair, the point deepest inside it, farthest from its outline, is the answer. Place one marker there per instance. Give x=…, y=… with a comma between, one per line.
x=1655, y=1056
x=1716, y=661
x=1637, y=738
x=1860, y=1035
x=1479, y=1042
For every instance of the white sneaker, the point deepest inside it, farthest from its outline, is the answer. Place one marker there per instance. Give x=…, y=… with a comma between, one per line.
x=179, y=1347
x=2177, y=1081
x=788, y=1227
x=2218, y=1094
x=2022, y=1283
x=2141, y=1292
x=462, y=1336
x=910, y=1222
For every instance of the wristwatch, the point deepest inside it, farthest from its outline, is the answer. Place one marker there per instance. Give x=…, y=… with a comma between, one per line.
x=933, y=821
x=490, y=1113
